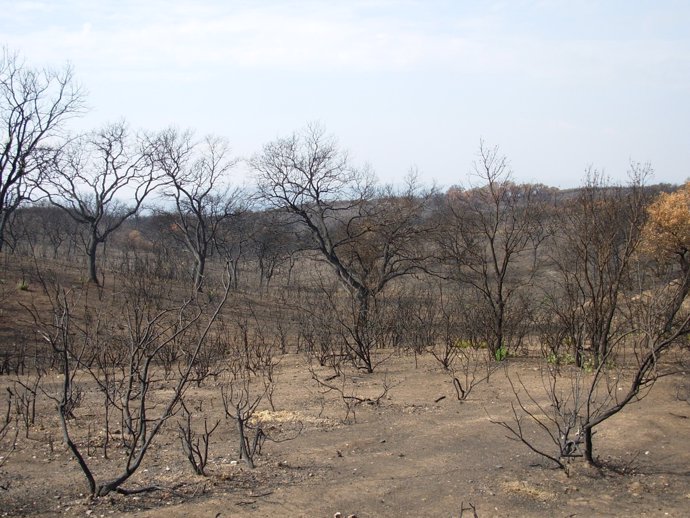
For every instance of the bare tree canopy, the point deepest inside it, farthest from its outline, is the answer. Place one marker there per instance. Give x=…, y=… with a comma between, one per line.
x=197, y=176
x=89, y=178
x=34, y=104
x=490, y=237
x=368, y=235
x=363, y=231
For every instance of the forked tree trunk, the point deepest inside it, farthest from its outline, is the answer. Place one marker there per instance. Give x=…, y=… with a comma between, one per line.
x=199, y=270
x=244, y=452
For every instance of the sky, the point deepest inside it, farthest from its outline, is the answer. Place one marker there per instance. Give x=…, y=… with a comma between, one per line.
x=558, y=85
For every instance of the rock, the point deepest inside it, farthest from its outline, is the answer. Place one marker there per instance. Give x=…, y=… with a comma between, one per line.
x=635, y=489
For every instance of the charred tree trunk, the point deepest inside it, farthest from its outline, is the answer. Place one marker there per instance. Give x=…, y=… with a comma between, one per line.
x=91, y=253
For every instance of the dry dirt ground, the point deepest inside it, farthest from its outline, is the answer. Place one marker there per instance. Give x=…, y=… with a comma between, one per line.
x=408, y=456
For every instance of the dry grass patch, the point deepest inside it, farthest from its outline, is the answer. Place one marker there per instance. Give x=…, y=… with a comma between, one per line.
x=523, y=488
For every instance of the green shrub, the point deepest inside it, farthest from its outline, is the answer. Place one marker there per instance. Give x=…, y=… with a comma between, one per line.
x=560, y=359
x=463, y=344
x=501, y=353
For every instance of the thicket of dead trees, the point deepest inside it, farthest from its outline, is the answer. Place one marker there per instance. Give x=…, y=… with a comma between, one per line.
x=146, y=262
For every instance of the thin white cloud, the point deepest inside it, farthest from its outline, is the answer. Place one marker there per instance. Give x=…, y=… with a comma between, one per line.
x=33, y=6
x=431, y=71
x=308, y=35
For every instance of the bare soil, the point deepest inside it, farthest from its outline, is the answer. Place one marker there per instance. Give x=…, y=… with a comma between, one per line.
x=416, y=453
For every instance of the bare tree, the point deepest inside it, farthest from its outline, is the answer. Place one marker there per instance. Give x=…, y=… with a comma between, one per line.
x=198, y=179
x=591, y=251
x=317, y=330
x=241, y=403
x=25, y=392
x=34, y=105
x=76, y=328
x=195, y=444
x=41, y=230
x=251, y=363
x=346, y=388
x=89, y=178
x=559, y=421
x=8, y=439
x=578, y=401
x=649, y=321
x=368, y=236
x=233, y=242
x=166, y=252
x=272, y=244
x=490, y=240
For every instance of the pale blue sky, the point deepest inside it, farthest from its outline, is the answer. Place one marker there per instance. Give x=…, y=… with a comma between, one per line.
x=558, y=84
